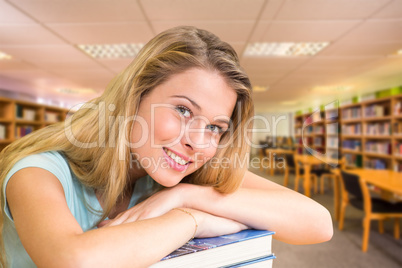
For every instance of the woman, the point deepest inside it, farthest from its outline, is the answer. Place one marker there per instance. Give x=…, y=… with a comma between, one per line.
x=169, y=130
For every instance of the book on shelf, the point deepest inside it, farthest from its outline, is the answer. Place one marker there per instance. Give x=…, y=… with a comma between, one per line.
x=24, y=113
x=378, y=129
x=245, y=248
x=351, y=145
x=354, y=129
x=378, y=147
x=351, y=113
x=397, y=108
x=375, y=111
x=2, y=132
x=52, y=117
x=21, y=131
x=375, y=164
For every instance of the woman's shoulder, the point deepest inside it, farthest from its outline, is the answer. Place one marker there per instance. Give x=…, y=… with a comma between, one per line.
x=52, y=161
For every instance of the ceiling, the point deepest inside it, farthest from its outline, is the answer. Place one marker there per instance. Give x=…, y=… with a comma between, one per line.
x=41, y=36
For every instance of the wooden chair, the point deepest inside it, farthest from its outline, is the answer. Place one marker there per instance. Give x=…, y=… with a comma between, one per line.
x=293, y=166
x=355, y=192
x=262, y=154
x=290, y=167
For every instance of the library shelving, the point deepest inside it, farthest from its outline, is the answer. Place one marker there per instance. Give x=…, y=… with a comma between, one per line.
x=19, y=118
x=370, y=133
x=319, y=130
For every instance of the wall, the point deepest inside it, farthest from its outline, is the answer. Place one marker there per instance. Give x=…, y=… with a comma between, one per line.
x=271, y=124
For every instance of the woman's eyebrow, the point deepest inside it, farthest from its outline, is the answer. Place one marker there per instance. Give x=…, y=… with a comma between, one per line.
x=222, y=121
x=190, y=100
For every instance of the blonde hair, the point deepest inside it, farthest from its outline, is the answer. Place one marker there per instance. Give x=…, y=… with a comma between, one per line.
x=104, y=164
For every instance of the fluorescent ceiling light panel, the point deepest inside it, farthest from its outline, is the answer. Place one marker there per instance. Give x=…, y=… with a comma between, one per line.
x=260, y=88
x=332, y=89
x=76, y=91
x=111, y=51
x=4, y=56
x=287, y=49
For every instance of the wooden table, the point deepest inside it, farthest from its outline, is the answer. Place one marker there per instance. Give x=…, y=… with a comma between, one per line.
x=308, y=161
x=272, y=152
x=388, y=180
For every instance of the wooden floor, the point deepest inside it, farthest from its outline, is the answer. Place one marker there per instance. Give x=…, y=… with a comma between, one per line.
x=344, y=250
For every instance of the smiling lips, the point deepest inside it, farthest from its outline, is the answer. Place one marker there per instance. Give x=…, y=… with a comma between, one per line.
x=175, y=161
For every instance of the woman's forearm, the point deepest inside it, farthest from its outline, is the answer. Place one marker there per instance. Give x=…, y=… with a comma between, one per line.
x=135, y=244
x=295, y=218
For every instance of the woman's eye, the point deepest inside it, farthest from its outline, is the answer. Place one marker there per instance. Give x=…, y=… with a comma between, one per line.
x=214, y=128
x=186, y=112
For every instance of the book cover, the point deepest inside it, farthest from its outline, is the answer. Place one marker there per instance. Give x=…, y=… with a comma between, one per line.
x=220, y=251
x=263, y=262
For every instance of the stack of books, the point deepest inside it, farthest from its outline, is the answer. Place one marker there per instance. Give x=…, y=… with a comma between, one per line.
x=248, y=248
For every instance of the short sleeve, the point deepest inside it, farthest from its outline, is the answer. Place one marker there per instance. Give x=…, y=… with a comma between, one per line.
x=53, y=162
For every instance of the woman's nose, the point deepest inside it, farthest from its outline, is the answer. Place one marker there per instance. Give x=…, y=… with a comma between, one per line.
x=195, y=136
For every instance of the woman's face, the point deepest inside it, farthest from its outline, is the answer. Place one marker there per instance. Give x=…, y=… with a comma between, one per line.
x=180, y=123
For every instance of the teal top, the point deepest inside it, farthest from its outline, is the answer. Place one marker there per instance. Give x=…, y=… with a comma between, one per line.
x=80, y=200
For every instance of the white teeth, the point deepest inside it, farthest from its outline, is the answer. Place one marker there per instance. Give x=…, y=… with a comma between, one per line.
x=175, y=157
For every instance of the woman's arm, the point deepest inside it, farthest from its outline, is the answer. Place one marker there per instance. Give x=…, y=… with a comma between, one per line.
x=262, y=204
x=259, y=204
x=52, y=236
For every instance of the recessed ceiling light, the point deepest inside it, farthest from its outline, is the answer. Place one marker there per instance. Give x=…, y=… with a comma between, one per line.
x=260, y=88
x=4, y=56
x=284, y=49
x=111, y=51
x=399, y=52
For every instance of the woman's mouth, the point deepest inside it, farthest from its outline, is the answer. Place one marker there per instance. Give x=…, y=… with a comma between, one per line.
x=175, y=161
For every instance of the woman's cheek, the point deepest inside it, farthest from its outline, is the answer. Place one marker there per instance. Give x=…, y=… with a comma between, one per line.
x=168, y=127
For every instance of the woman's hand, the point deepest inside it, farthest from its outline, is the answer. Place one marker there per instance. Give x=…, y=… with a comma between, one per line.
x=154, y=206
x=210, y=225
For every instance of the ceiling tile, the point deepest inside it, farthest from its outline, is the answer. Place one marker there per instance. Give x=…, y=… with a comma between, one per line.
x=392, y=11
x=9, y=14
x=202, y=10
x=271, y=9
x=78, y=11
x=259, y=31
x=15, y=65
x=93, y=78
x=116, y=65
x=303, y=31
x=26, y=35
x=333, y=65
x=272, y=64
x=229, y=31
x=377, y=31
x=328, y=9
x=109, y=33
x=266, y=79
x=48, y=53
x=356, y=48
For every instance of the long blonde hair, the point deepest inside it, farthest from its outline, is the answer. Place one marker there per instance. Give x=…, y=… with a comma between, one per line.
x=98, y=153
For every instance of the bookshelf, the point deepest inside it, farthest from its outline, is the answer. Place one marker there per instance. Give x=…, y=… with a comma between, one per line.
x=320, y=133
x=19, y=118
x=370, y=133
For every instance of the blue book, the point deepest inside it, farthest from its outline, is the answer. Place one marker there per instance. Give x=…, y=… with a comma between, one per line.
x=221, y=251
x=263, y=262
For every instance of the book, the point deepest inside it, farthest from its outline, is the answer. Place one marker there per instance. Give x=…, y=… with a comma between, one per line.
x=263, y=262
x=2, y=132
x=222, y=251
